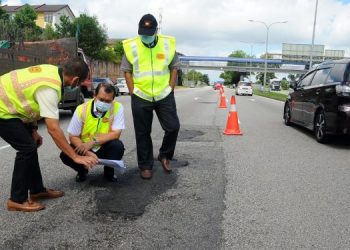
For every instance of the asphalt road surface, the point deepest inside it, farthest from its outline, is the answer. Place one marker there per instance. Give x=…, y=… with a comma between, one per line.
x=274, y=187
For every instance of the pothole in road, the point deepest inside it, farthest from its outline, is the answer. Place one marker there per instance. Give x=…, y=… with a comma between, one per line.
x=129, y=197
x=186, y=134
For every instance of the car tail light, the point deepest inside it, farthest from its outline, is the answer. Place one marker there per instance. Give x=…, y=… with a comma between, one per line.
x=343, y=90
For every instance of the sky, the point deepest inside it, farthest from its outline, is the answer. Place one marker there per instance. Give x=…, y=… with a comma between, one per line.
x=218, y=27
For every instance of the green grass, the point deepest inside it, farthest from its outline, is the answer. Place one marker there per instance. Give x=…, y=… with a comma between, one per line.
x=273, y=95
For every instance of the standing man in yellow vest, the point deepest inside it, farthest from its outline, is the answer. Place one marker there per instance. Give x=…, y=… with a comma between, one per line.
x=95, y=130
x=150, y=67
x=26, y=95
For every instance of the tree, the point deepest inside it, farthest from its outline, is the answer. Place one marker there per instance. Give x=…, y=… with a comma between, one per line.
x=231, y=77
x=118, y=50
x=107, y=55
x=205, y=79
x=65, y=28
x=25, y=17
x=3, y=14
x=292, y=77
x=25, y=21
x=92, y=37
x=269, y=76
x=49, y=33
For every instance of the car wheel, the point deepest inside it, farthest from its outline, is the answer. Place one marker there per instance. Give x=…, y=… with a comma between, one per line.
x=320, y=127
x=287, y=115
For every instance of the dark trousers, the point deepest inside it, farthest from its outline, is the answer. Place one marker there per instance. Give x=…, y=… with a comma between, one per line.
x=142, y=112
x=112, y=150
x=26, y=173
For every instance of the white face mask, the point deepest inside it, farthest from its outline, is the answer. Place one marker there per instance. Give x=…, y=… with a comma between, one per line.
x=102, y=106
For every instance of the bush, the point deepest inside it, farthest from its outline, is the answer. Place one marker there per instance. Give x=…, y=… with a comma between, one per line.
x=284, y=84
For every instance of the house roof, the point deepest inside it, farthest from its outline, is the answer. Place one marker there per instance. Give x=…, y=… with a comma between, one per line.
x=38, y=8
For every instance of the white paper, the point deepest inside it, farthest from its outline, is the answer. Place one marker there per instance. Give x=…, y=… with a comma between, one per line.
x=112, y=163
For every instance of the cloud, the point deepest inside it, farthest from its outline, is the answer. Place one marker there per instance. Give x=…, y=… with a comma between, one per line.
x=212, y=27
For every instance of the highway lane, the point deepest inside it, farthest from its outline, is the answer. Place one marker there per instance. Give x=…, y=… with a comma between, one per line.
x=274, y=187
x=284, y=190
x=180, y=210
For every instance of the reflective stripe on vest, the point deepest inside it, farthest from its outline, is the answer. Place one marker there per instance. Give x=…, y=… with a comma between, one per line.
x=159, y=97
x=18, y=97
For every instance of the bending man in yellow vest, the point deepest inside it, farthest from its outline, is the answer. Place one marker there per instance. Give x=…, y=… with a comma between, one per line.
x=150, y=66
x=95, y=130
x=26, y=95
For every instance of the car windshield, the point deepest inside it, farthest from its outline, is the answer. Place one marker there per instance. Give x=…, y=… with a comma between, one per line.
x=245, y=84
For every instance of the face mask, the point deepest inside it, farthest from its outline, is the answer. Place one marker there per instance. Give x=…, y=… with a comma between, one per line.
x=69, y=89
x=148, y=39
x=102, y=106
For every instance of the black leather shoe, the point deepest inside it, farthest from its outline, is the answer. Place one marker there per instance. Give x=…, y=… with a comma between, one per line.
x=81, y=177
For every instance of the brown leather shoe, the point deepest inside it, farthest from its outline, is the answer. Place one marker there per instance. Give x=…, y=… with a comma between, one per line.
x=146, y=174
x=165, y=164
x=49, y=194
x=27, y=206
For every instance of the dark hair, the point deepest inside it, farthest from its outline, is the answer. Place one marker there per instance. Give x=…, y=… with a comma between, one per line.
x=76, y=67
x=108, y=88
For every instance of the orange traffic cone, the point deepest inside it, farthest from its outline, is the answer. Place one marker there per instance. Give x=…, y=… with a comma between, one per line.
x=232, y=126
x=222, y=99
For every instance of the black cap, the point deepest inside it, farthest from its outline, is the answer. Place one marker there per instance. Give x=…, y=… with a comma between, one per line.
x=148, y=25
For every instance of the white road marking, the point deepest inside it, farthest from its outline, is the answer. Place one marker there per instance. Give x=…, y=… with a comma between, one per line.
x=253, y=100
x=3, y=147
x=197, y=98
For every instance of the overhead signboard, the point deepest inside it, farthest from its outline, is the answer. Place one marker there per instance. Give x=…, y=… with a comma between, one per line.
x=302, y=52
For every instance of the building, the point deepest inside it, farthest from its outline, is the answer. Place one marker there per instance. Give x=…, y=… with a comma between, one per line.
x=47, y=14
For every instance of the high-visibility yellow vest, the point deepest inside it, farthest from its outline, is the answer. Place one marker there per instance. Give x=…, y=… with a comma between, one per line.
x=93, y=126
x=18, y=87
x=151, y=74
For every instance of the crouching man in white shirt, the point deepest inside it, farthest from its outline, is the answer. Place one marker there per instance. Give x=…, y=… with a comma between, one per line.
x=95, y=130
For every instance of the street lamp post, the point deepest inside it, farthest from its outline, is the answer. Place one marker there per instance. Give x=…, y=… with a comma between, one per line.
x=313, y=36
x=267, y=43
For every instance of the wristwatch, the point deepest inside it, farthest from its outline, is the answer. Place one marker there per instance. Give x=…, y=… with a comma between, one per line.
x=95, y=141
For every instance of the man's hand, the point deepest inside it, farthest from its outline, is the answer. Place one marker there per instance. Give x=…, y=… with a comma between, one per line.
x=92, y=154
x=87, y=161
x=37, y=138
x=84, y=148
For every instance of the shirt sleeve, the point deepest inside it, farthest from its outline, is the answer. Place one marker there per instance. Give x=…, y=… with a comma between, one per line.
x=75, y=125
x=175, y=63
x=125, y=65
x=47, y=99
x=118, y=122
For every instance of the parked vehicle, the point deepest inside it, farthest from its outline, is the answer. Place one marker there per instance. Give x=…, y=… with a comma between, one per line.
x=244, y=88
x=121, y=84
x=321, y=100
x=275, y=85
x=57, y=52
x=97, y=80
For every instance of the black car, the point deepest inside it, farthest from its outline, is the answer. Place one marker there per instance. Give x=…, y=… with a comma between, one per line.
x=321, y=100
x=71, y=100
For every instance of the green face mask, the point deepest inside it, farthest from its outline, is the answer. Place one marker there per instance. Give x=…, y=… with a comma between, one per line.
x=148, y=39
